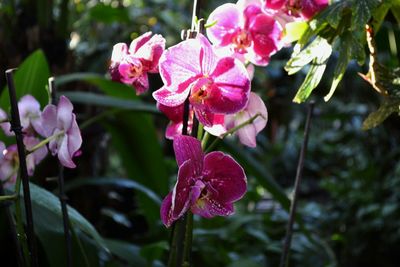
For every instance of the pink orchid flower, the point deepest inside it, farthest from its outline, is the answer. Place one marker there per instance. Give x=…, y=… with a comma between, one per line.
x=247, y=134
x=245, y=30
x=207, y=184
x=297, y=8
x=130, y=66
x=214, y=85
x=60, y=122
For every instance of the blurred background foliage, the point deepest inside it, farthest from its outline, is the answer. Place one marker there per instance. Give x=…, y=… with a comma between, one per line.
x=349, y=213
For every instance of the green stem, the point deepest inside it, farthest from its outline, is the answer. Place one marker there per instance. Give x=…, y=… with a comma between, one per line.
x=200, y=131
x=187, y=246
x=20, y=225
x=44, y=142
x=231, y=131
x=205, y=140
x=8, y=197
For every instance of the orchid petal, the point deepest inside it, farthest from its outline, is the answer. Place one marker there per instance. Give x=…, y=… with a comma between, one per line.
x=140, y=41
x=141, y=84
x=228, y=20
x=189, y=148
x=208, y=208
x=74, y=138
x=310, y=7
x=49, y=120
x=168, y=98
x=165, y=211
x=6, y=126
x=226, y=178
x=64, y=113
x=63, y=154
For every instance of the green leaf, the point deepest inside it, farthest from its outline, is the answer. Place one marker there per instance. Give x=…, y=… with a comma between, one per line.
x=129, y=253
x=315, y=73
x=48, y=205
x=119, y=182
x=396, y=12
x=305, y=56
x=345, y=48
x=30, y=78
x=388, y=107
x=108, y=14
x=109, y=101
x=362, y=12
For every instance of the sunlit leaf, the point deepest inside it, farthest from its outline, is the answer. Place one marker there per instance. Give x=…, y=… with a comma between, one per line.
x=388, y=107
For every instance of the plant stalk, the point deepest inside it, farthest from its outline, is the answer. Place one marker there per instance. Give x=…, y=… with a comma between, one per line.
x=292, y=214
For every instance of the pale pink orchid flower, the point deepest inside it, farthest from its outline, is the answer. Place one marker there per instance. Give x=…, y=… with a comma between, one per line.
x=59, y=121
x=208, y=185
x=214, y=84
x=245, y=30
x=131, y=65
x=6, y=126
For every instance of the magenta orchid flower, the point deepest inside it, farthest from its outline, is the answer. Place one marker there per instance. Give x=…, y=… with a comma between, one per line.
x=207, y=184
x=214, y=85
x=297, y=8
x=247, y=134
x=246, y=30
x=130, y=66
x=60, y=123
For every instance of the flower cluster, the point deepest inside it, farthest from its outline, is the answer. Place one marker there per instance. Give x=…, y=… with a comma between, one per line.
x=212, y=78
x=57, y=124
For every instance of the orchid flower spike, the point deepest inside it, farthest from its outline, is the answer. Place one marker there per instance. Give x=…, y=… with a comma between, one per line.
x=208, y=185
x=131, y=65
x=60, y=123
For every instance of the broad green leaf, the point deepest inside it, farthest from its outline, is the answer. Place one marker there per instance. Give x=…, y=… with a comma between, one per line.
x=314, y=74
x=396, y=12
x=379, y=14
x=30, y=78
x=49, y=205
x=305, y=56
x=345, y=47
x=127, y=252
x=388, y=107
x=109, y=101
x=119, y=182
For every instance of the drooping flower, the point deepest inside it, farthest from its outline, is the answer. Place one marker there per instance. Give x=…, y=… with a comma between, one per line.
x=247, y=134
x=208, y=185
x=215, y=85
x=297, y=8
x=29, y=112
x=60, y=123
x=130, y=66
x=246, y=30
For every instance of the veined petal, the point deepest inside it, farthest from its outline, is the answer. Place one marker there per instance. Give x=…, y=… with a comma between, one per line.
x=182, y=190
x=74, y=138
x=248, y=133
x=208, y=58
x=151, y=51
x=49, y=120
x=231, y=87
x=266, y=34
x=180, y=65
x=189, y=148
x=208, y=207
x=170, y=99
x=139, y=42
x=64, y=113
x=228, y=20
x=225, y=178
x=166, y=211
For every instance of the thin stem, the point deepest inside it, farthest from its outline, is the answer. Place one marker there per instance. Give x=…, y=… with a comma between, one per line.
x=45, y=142
x=187, y=246
x=205, y=140
x=231, y=131
x=289, y=229
x=7, y=197
x=200, y=132
x=17, y=129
